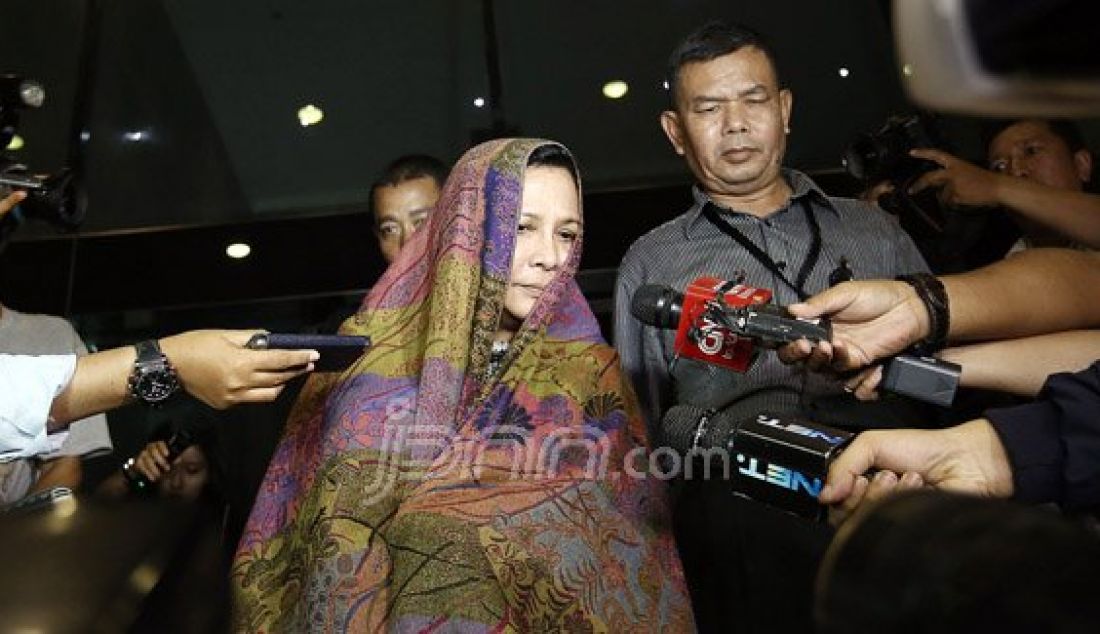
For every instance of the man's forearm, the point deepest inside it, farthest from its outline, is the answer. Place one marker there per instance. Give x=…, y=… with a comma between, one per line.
x=98, y=384
x=1034, y=292
x=65, y=471
x=1021, y=366
x=1073, y=214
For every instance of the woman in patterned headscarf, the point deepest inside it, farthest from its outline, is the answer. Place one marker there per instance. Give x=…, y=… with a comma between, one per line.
x=482, y=467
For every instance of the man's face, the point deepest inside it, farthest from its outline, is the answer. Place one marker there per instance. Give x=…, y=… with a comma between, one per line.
x=1029, y=149
x=730, y=122
x=399, y=210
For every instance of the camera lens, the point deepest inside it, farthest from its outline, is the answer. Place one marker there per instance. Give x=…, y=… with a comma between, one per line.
x=863, y=158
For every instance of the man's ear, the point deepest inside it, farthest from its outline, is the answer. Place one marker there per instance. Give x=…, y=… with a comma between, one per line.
x=670, y=123
x=1082, y=161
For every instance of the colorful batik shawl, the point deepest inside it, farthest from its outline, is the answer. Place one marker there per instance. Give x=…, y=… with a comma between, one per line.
x=415, y=493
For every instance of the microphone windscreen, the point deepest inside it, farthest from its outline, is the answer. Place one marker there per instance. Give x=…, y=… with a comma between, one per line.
x=680, y=429
x=679, y=425
x=656, y=305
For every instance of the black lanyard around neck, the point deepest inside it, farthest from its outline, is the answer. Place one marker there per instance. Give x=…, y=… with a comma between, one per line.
x=713, y=214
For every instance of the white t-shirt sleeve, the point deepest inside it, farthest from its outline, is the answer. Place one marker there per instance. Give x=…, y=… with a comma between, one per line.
x=28, y=385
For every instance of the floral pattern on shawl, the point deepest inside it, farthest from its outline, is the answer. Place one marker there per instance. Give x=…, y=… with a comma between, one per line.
x=415, y=493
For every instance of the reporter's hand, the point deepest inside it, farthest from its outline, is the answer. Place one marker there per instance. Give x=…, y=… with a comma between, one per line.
x=152, y=462
x=967, y=459
x=870, y=320
x=10, y=201
x=873, y=193
x=216, y=367
x=864, y=385
x=868, y=491
x=960, y=183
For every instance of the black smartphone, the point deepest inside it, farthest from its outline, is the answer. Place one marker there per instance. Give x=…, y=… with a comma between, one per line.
x=338, y=352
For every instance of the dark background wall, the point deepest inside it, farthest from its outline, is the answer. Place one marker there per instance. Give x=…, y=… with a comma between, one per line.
x=183, y=113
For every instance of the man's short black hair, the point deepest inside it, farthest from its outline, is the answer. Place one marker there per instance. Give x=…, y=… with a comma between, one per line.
x=1062, y=128
x=710, y=41
x=410, y=167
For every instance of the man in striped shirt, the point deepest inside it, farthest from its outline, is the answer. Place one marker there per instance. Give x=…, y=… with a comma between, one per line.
x=729, y=119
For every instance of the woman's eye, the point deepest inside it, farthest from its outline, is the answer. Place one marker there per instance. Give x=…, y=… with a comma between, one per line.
x=999, y=166
x=569, y=236
x=523, y=228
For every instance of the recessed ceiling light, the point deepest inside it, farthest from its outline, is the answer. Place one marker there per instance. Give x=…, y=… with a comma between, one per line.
x=238, y=250
x=907, y=70
x=16, y=143
x=479, y=102
x=615, y=89
x=664, y=84
x=135, y=136
x=310, y=115
x=843, y=72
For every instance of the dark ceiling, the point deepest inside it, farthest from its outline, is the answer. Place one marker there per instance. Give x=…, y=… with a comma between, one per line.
x=213, y=87
x=191, y=135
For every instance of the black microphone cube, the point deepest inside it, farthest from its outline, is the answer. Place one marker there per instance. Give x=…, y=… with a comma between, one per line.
x=927, y=379
x=782, y=461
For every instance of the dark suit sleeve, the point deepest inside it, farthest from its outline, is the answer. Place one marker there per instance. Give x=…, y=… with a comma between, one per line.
x=1054, y=443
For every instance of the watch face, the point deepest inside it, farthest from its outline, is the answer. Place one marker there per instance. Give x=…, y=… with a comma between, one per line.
x=154, y=387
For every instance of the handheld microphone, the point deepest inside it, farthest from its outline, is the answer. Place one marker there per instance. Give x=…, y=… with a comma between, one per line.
x=719, y=321
x=780, y=461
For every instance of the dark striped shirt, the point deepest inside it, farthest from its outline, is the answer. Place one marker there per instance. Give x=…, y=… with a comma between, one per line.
x=689, y=246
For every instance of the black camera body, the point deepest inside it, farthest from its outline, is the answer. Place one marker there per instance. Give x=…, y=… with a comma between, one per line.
x=55, y=199
x=946, y=240
x=884, y=155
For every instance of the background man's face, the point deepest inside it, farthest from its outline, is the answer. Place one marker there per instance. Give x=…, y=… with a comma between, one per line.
x=1029, y=149
x=399, y=210
x=730, y=122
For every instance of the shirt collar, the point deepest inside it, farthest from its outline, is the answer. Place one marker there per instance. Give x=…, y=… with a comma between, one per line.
x=801, y=185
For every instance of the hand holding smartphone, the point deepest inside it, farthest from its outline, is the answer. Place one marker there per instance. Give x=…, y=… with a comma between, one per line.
x=338, y=352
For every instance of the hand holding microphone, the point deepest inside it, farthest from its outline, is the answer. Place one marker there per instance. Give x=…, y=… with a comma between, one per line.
x=780, y=461
x=872, y=320
x=878, y=320
x=722, y=323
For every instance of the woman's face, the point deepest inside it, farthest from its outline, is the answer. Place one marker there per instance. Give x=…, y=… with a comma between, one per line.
x=188, y=476
x=549, y=224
